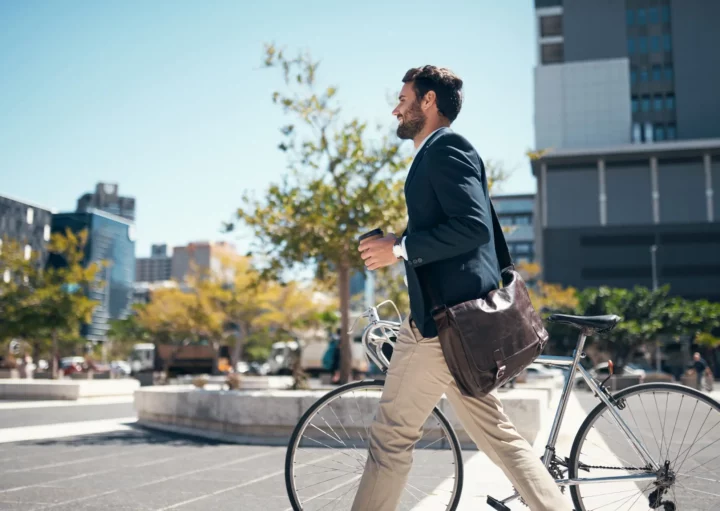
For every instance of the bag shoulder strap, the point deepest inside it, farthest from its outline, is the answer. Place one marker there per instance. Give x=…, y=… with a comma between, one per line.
x=501, y=249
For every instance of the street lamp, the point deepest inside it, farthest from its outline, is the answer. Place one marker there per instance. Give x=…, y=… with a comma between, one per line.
x=653, y=259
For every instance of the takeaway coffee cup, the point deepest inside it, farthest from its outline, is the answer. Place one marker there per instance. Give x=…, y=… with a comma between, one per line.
x=375, y=233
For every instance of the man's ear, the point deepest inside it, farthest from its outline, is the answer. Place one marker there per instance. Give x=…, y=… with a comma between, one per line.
x=429, y=99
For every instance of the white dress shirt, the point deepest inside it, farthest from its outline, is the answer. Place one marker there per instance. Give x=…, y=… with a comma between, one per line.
x=417, y=150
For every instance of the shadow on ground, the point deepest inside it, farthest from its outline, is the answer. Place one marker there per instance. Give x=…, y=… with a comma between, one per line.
x=136, y=436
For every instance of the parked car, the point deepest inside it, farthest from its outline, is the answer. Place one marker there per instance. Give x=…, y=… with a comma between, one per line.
x=70, y=365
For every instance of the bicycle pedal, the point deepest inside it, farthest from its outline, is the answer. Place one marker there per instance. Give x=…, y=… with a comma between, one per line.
x=496, y=504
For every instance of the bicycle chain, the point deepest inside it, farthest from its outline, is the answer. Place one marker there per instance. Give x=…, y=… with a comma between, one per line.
x=582, y=467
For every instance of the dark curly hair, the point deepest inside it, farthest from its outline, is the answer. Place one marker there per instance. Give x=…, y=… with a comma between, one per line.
x=446, y=85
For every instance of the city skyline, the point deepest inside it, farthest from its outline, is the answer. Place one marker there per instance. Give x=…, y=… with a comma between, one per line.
x=170, y=103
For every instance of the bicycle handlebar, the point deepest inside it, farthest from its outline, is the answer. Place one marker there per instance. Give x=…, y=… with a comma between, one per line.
x=372, y=342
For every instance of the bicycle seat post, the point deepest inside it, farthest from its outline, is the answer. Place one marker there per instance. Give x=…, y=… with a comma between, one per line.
x=565, y=395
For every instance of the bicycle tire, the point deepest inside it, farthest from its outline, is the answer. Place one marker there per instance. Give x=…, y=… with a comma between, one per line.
x=301, y=425
x=590, y=420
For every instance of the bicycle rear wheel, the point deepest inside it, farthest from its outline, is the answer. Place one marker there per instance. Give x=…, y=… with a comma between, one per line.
x=679, y=428
x=328, y=449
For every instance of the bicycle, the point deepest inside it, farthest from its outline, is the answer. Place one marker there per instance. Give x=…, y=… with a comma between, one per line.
x=641, y=470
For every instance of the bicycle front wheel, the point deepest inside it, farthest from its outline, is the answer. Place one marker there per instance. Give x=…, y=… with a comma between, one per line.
x=327, y=453
x=677, y=426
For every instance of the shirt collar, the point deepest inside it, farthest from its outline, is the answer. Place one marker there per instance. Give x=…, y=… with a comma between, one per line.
x=425, y=141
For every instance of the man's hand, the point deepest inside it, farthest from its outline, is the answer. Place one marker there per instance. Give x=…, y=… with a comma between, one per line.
x=378, y=253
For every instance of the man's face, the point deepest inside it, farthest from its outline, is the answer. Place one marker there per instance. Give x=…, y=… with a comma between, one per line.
x=696, y=356
x=411, y=119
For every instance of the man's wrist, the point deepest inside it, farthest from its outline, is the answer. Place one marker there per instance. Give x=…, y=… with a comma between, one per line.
x=399, y=250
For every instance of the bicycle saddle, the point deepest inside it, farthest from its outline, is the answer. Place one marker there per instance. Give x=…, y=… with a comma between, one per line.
x=597, y=323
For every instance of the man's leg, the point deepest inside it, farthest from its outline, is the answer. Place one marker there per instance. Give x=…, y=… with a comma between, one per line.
x=494, y=434
x=415, y=382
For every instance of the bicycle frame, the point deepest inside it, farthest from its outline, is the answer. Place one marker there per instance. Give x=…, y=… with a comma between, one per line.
x=573, y=363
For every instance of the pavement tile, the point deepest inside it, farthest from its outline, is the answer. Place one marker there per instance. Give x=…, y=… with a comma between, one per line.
x=50, y=495
x=232, y=502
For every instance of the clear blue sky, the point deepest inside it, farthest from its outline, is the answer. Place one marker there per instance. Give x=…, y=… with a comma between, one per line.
x=165, y=98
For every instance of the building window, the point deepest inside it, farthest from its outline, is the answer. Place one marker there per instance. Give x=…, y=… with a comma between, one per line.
x=643, y=75
x=653, y=15
x=671, y=134
x=659, y=132
x=645, y=104
x=6, y=276
x=636, y=132
x=633, y=76
x=669, y=72
x=658, y=103
x=631, y=46
x=656, y=73
x=30, y=215
x=670, y=102
x=665, y=13
x=551, y=26
x=522, y=248
x=655, y=44
x=642, y=45
x=630, y=17
x=552, y=53
x=46, y=233
x=28, y=252
x=667, y=42
x=635, y=105
x=640, y=17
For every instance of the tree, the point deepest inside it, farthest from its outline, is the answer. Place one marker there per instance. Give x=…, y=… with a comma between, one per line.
x=642, y=312
x=123, y=333
x=38, y=303
x=340, y=184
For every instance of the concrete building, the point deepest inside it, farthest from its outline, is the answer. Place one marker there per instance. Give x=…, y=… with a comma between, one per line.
x=625, y=71
x=26, y=223
x=111, y=238
x=516, y=214
x=156, y=268
x=106, y=198
x=203, y=257
x=626, y=114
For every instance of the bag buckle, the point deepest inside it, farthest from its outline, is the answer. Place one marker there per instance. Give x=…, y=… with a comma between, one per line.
x=498, y=356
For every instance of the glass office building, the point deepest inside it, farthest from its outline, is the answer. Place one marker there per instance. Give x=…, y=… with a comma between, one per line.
x=112, y=239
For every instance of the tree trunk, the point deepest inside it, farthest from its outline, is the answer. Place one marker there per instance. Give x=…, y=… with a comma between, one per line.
x=345, y=343
x=54, y=354
x=238, y=348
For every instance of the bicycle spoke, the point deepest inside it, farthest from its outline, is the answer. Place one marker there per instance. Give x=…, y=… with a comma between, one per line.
x=340, y=429
x=694, y=477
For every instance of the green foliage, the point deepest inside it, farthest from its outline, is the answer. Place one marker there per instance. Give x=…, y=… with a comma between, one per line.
x=39, y=304
x=342, y=181
x=647, y=315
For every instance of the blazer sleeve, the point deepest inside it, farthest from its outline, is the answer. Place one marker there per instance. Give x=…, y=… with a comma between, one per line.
x=458, y=185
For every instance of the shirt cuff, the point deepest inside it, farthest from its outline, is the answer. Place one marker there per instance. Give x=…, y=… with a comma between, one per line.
x=404, y=250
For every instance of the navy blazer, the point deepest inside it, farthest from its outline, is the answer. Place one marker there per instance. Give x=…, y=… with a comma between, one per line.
x=450, y=243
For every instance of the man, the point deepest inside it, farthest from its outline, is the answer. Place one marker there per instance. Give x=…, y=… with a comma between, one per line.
x=700, y=366
x=448, y=247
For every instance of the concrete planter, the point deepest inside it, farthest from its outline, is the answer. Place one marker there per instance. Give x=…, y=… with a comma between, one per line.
x=9, y=374
x=269, y=416
x=65, y=389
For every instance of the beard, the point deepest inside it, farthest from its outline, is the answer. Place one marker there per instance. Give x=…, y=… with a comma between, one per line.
x=412, y=124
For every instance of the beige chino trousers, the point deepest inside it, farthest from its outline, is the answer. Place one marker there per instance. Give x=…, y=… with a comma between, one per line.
x=417, y=379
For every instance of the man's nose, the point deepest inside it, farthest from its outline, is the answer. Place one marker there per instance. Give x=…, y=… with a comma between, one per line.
x=395, y=112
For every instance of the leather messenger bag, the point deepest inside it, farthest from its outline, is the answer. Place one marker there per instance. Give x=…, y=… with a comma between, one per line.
x=490, y=340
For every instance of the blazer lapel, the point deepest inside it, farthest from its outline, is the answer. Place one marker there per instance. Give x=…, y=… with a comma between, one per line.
x=420, y=155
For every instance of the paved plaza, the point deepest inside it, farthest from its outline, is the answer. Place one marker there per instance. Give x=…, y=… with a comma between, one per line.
x=89, y=456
